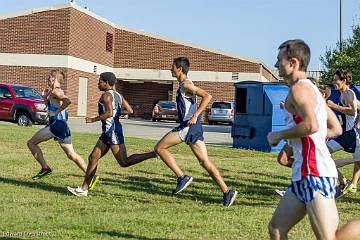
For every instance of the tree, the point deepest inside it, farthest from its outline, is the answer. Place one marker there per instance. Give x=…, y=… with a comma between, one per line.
x=349, y=58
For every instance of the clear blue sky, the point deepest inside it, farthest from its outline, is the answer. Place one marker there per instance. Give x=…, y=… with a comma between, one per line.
x=252, y=28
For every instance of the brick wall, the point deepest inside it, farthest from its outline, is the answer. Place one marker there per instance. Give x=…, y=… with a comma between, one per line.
x=61, y=32
x=34, y=77
x=88, y=38
x=38, y=33
x=138, y=51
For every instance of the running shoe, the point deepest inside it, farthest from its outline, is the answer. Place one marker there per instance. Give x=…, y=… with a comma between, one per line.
x=42, y=173
x=182, y=183
x=229, y=197
x=93, y=182
x=351, y=188
x=280, y=192
x=78, y=191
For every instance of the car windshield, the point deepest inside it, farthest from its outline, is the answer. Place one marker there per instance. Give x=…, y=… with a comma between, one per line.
x=25, y=92
x=167, y=104
x=222, y=105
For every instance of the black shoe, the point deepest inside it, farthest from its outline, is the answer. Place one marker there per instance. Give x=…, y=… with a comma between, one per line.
x=42, y=173
x=229, y=197
x=182, y=183
x=341, y=189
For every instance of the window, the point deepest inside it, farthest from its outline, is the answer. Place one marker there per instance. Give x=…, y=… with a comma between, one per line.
x=4, y=92
x=109, y=42
x=167, y=104
x=24, y=92
x=221, y=105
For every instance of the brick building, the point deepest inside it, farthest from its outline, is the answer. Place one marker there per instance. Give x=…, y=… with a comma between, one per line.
x=83, y=45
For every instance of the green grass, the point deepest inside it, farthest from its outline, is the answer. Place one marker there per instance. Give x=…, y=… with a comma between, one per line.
x=136, y=202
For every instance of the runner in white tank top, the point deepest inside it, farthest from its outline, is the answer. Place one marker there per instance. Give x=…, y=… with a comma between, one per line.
x=311, y=154
x=313, y=179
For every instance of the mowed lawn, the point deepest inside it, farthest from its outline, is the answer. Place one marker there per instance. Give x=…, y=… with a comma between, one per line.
x=136, y=202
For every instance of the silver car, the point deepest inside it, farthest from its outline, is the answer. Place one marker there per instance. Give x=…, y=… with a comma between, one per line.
x=221, y=112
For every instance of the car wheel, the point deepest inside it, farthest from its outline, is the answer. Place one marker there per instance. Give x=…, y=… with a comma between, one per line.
x=24, y=119
x=154, y=120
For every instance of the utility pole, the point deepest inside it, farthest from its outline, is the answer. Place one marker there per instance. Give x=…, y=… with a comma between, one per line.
x=341, y=40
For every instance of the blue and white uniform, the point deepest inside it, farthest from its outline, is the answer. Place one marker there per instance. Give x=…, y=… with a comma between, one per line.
x=57, y=124
x=112, y=132
x=349, y=120
x=349, y=141
x=186, y=107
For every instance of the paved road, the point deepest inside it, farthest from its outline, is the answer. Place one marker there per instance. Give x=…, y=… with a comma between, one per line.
x=216, y=135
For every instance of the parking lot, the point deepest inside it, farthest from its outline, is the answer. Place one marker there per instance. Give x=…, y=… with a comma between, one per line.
x=215, y=135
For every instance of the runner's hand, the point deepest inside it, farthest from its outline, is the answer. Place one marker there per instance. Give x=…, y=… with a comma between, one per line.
x=192, y=120
x=273, y=138
x=330, y=103
x=89, y=120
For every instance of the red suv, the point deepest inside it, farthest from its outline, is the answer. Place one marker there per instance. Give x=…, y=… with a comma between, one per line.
x=22, y=104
